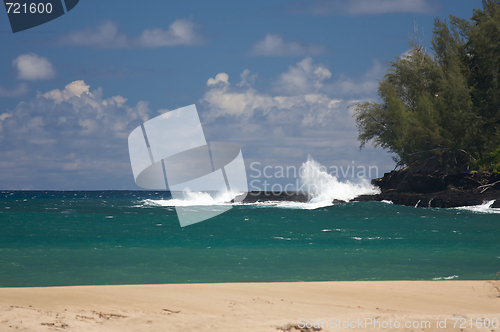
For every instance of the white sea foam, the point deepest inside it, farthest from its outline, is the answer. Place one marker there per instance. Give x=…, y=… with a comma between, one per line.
x=446, y=278
x=282, y=238
x=483, y=208
x=195, y=198
x=322, y=188
x=322, y=185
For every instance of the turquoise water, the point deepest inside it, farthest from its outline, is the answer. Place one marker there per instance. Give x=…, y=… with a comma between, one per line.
x=81, y=238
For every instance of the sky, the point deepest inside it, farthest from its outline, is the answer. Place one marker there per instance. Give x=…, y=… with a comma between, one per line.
x=275, y=77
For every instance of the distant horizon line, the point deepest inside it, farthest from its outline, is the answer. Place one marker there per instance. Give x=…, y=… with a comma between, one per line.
x=143, y=190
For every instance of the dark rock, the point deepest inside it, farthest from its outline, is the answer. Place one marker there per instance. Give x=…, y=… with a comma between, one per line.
x=419, y=189
x=260, y=196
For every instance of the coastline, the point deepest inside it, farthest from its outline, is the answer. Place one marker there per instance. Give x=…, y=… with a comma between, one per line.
x=249, y=306
x=421, y=188
x=416, y=189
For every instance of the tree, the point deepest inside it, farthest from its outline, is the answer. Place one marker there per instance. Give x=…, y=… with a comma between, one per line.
x=444, y=106
x=484, y=63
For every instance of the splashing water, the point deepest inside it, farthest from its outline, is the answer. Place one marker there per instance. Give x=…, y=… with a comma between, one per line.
x=324, y=188
x=195, y=198
x=483, y=208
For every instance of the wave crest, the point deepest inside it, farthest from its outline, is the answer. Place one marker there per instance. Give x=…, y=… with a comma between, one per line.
x=324, y=188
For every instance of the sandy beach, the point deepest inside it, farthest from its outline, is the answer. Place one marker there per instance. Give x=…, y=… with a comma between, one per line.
x=330, y=306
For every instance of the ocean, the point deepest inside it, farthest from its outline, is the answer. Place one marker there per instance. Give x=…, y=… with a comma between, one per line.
x=51, y=238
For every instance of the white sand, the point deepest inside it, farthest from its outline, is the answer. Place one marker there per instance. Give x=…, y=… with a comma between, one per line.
x=252, y=306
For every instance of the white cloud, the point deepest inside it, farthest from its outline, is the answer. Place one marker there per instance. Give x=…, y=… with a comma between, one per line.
x=357, y=7
x=300, y=102
x=74, y=89
x=274, y=128
x=219, y=78
x=308, y=110
x=304, y=77
x=368, y=7
x=273, y=45
x=180, y=32
x=69, y=138
x=5, y=116
x=33, y=67
x=75, y=138
x=305, y=111
x=306, y=85
x=107, y=35
x=19, y=91
x=246, y=78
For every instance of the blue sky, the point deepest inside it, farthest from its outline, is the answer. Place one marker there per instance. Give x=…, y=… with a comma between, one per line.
x=276, y=77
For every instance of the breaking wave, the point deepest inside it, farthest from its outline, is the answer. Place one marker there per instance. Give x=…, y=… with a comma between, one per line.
x=195, y=198
x=483, y=208
x=322, y=188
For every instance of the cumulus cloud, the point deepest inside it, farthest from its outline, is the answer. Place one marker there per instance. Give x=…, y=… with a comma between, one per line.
x=304, y=77
x=76, y=138
x=219, y=78
x=307, y=77
x=108, y=35
x=294, y=123
x=244, y=101
x=69, y=138
x=33, y=67
x=180, y=32
x=275, y=129
x=367, y=7
x=74, y=89
x=247, y=79
x=274, y=45
x=306, y=85
x=17, y=92
x=305, y=111
x=5, y=116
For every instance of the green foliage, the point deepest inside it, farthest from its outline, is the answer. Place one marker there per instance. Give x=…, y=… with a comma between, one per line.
x=490, y=163
x=446, y=106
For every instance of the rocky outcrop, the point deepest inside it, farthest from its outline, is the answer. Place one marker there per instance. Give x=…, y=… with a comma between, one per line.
x=424, y=189
x=260, y=196
x=416, y=188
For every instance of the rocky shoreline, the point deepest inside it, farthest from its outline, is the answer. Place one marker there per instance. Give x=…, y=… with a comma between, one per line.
x=441, y=199
x=418, y=189
x=404, y=187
